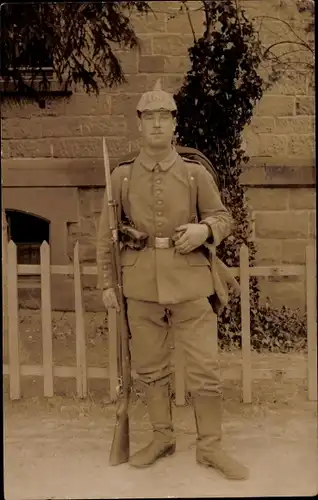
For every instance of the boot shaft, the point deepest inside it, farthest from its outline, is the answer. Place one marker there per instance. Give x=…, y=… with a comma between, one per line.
x=208, y=418
x=160, y=411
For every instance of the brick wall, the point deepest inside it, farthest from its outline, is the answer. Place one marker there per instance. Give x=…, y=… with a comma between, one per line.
x=282, y=129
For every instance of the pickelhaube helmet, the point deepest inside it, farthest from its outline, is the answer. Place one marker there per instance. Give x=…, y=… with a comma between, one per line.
x=156, y=99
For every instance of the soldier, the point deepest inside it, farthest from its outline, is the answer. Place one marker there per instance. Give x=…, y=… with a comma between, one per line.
x=166, y=283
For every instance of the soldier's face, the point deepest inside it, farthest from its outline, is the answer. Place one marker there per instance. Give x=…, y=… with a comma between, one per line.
x=157, y=127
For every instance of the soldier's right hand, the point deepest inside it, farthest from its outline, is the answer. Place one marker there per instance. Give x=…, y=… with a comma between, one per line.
x=110, y=299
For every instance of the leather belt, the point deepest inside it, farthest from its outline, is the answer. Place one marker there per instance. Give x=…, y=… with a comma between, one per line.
x=155, y=242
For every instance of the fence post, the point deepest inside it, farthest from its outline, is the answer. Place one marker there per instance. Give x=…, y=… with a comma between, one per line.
x=46, y=320
x=81, y=376
x=311, y=306
x=13, y=322
x=245, y=324
x=4, y=245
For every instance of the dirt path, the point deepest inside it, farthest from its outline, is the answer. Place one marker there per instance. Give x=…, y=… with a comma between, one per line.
x=60, y=450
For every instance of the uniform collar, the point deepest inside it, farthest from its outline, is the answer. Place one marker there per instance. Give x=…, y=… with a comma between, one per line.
x=150, y=163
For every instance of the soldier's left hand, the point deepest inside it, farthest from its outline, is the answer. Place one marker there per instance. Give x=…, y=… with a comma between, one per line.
x=190, y=236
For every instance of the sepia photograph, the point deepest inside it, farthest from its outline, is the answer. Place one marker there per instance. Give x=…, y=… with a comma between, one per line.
x=159, y=288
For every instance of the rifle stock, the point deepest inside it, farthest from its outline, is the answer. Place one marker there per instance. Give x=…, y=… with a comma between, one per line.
x=120, y=447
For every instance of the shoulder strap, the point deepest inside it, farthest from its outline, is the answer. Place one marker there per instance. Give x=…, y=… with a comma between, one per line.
x=124, y=191
x=194, y=216
x=198, y=157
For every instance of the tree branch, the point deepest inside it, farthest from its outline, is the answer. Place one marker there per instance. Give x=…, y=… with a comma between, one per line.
x=284, y=22
x=237, y=16
x=289, y=64
x=57, y=32
x=284, y=42
x=184, y=2
x=207, y=19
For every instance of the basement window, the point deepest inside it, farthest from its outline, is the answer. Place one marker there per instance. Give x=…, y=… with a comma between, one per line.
x=28, y=232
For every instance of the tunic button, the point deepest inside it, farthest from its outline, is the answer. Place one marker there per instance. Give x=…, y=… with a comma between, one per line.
x=158, y=181
x=160, y=223
x=159, y=234
x=159, y=213
x=159, y=202
x=158, y=191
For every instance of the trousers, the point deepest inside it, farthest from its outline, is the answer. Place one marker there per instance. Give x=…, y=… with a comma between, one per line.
x=192, y=324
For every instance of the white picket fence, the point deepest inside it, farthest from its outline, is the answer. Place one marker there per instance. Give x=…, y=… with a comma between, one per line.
x=82, y=372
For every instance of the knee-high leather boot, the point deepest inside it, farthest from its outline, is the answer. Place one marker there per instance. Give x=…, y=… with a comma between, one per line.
x=208, y=417
x=163, y=442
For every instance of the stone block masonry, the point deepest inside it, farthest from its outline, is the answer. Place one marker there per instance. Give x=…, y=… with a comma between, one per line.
x=90, y=206
x=286, y=225
x=282, y=122
x=283, y=227
x=281, y=130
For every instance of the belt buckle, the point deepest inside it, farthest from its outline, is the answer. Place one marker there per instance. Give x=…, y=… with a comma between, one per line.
x=162, y=242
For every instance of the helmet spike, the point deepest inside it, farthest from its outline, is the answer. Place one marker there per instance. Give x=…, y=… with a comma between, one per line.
x=158, y=85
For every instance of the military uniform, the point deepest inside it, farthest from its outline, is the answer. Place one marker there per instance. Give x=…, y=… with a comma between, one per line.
x=166, y=289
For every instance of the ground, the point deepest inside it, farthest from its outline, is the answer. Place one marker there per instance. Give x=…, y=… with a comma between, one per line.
x=58, y=447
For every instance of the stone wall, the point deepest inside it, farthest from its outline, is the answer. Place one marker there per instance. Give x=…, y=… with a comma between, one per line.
x=284, y=224
x=61, y=144
x=283, y=125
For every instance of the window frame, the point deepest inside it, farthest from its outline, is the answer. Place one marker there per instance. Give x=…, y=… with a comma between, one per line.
x=30, y=280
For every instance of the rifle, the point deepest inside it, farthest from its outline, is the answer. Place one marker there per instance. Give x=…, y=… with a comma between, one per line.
x=120, y=448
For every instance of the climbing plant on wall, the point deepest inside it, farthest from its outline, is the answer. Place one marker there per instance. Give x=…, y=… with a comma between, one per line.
x=214, y=104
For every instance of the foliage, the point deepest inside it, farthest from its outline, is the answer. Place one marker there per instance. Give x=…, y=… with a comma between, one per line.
x=278, y=329
x=214, y=105
x=272, y=329
x=76, y=39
